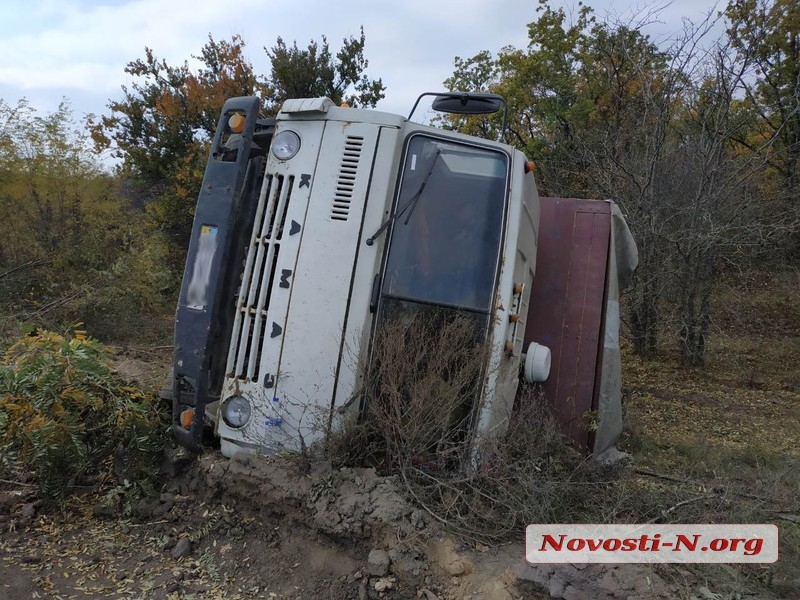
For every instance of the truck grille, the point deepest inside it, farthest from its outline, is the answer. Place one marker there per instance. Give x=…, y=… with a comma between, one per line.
x=252, y=305
x=345, y=184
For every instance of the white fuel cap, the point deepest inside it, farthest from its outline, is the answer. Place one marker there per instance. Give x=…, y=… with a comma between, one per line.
x=537, y=363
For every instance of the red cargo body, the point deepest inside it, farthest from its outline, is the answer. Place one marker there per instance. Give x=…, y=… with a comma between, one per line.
x=567, y=306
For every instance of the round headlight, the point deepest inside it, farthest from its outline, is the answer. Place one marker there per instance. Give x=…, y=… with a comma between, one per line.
x=285, y=145
x=236, y=411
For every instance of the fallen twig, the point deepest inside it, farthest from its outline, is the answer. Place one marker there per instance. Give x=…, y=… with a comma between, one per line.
x=55, y=304
x=8, y=481
x=717, y=487
x=788, y=517
x=660, y=475
x=664, y=513
x=33, y=263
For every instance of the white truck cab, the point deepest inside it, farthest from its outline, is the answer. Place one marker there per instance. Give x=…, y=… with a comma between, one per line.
x=313, y=228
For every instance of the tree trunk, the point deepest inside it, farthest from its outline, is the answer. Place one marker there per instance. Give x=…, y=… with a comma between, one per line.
x=695, y=315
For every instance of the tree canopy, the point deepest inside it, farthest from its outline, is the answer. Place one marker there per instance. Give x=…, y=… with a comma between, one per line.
x=697, y=139
x=161, y=127
x=677, y=135
x=73, y=248
x=314, y=71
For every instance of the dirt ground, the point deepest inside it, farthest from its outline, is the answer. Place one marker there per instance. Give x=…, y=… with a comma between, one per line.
x=265, y=528
x=270, y=528
x=261, y=528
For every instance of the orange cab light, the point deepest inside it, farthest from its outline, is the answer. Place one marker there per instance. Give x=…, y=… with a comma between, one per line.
x=530, y=166
x=345, y=105
x=187, y=416
x=236, y=123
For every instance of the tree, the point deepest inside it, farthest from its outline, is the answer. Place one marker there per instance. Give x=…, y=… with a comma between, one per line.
x=477, y=74
x=606, y=113
x=577, y=100
x=545, y=94
x=315, y=72
x=717, y=214
x=166, y=109
x=49, y=178
x=161, y=128
x=766, y=36
x=71, y=241
x=635, y=91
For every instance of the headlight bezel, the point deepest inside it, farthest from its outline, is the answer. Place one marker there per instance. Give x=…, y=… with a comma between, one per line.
x=285, y=145
x=233, y=409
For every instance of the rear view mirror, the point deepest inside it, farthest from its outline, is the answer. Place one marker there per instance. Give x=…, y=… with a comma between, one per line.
x=466, y=103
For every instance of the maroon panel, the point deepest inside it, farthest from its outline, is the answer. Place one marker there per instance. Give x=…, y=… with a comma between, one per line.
x=567, y=302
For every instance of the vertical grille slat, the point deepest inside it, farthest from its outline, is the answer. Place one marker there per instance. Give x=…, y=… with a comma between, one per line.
x=244, y=288
x=346, y=182
x=261, y=249
x=252, y=308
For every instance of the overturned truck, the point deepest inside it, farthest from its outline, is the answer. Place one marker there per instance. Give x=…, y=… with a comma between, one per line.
x=314, y=229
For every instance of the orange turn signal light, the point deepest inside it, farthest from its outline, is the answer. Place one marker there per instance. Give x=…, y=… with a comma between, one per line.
x=236, y=123
x=187, y=416
x=530, y=166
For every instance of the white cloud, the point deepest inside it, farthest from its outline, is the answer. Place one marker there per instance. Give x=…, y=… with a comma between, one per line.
x=79, y=48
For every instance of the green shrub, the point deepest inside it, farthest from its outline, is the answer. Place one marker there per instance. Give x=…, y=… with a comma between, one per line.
x=66, y=419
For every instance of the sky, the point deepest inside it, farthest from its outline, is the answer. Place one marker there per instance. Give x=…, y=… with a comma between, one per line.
x=78, y=49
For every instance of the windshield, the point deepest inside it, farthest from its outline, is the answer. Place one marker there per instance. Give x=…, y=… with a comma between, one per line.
x=445, y=248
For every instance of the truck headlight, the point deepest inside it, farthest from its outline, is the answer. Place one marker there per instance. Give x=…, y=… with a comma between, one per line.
x=236, y=411
x=285, y=145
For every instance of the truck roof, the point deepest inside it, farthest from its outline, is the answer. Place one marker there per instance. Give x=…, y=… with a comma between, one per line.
x=315, y=108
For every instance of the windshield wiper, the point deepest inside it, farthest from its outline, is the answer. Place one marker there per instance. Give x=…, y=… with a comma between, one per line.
x=411, y=204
